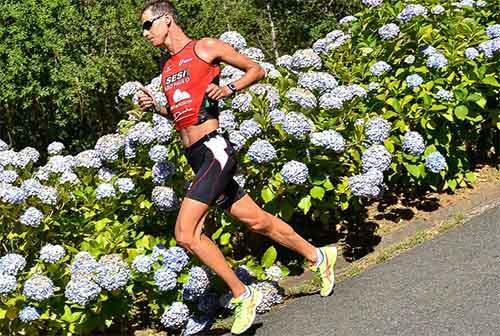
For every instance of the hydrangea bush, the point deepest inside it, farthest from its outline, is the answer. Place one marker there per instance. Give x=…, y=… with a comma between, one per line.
x=395, y=98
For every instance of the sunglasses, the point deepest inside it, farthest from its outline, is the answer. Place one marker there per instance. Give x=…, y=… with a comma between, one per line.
x=149, y=23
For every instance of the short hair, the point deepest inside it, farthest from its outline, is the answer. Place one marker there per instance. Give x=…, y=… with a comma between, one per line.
x=159, y=7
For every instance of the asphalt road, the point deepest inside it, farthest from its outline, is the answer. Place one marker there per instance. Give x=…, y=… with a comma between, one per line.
x=446, y=286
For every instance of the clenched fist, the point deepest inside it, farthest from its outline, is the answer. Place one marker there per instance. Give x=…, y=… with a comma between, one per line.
x=216, y=92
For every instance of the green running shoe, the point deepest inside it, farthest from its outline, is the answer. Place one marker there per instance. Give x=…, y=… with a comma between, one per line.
x=326, y=270
x=245, y=311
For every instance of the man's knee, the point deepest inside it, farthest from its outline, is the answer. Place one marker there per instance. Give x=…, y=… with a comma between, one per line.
x=260, y=223
x=185, y=238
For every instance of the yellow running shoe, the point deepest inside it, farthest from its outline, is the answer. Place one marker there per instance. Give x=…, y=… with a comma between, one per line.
x=326, y=270
x=245, y=311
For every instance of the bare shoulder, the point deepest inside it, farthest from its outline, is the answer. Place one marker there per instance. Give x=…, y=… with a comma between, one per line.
x=209, y=48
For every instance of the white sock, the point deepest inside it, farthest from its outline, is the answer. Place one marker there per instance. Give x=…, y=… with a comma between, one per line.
x=245, y=295
x=320, y=255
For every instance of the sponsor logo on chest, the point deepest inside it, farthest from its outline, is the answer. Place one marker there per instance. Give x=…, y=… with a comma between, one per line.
x=177, y=76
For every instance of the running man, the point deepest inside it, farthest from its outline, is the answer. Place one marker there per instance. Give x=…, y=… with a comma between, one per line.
x=190, y=82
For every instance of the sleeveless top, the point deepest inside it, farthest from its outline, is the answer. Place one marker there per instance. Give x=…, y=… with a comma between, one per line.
x=185, y=78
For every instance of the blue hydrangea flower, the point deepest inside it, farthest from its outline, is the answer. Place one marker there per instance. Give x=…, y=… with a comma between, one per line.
x=270, y=69
x=83, y=264
x=3, y=145
x=347, y=19
x=261, y=151
x=128, y=89
x=273, y=273
x=329, y=139
x=338, y=42
x=234, y=39
x=175, y=316
x=8, y=284
x=164, y=198
x=240, y=179
x=26, y=156
x=125, y=185
x=143, y=263
x=437, y=10
x=175, y=258
x=162, y=171
x=165, y=279
x=437, y=61
x=297, y=124
x=31, y=217
x=388, y=31
x=163, y=131
x=357, y=91
x=158, y=153
x=31, y=187
x=28, y=314
x=317, y=81
x=112, y=272
x=105, y=174
x=48, y=195
x=194, y=325
x=109, y=146
x=272, y=295
x=481, y=3
x=368, y=185
x=89, y=159
x=413, y=143
x=227, y=120
x=250, y=128
x=372, y=3
x=81, y=290
x=285, y=61
x=69, y=177
x=52, y=253
x=379, y=68
x=11, y=194
x=197, y=284
x=412, y=11
x=306, y=59
x=253, y=53
x=242, y=102
x=435, y=162
x=330, y=101
x=141, y=133
x=490, y=48
x=105, y=190
x=295, y=172
x=237, y=139
x=429, y=51
x=377, y=130
x=270, y=93
x=493, y=31
x=12, y=263
x=302, y=97
x=444, y=95
x=277, y=117
x=471, y=53
x=8, y=176
x=376, y=157
x=38, y=288
x=414, y=80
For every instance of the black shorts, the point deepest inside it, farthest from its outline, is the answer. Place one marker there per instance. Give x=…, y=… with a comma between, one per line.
x=214, y=163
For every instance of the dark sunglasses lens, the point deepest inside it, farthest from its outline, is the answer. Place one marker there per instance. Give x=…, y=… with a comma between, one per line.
x=147, y=25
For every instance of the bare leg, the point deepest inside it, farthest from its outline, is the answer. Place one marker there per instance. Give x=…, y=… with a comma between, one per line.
x=188, y=233
x=260, y=221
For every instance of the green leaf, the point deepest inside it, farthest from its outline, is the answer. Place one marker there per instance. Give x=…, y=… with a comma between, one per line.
x=470, y=177
x=269, y=257
x=217, y=234
x=267, y=194
x=461, y=112
x=490, y=80
x=328, y=185
x=413, y=170
x=305, y=204
x=395, y=104
x=317, y=192
x=224, y=239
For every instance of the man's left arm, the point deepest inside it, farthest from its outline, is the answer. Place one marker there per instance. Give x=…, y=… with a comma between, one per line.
x=214, y=50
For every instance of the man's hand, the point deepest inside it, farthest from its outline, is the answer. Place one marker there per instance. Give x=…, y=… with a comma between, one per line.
x=216, y=92
x=145, y=101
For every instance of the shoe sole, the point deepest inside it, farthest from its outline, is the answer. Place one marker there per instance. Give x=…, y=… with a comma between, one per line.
x=260, y=297
x=330, y=289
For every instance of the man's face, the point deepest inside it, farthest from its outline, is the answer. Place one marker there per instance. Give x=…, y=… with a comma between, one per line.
x=158, y=30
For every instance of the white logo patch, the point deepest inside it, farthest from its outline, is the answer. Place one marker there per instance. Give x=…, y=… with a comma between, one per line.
x=184, y=61
x=180, y=95
x=217, y=146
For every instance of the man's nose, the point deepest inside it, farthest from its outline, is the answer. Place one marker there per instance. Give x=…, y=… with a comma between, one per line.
x=145, y=33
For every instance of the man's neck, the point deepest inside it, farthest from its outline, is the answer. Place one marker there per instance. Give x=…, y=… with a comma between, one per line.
x=176, y=41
